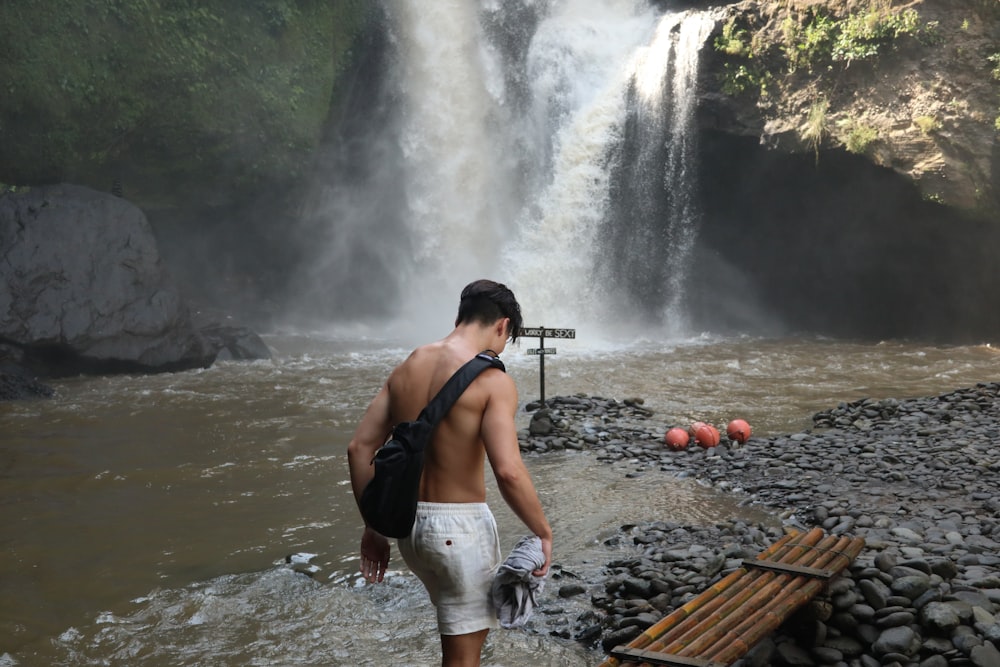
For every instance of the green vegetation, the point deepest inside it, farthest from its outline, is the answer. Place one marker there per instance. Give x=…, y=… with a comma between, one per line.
x=168, y=90
x=815, y=40
x=862, y=34
x=927, y=124
x=733, y=41
x=740, y=79
x=5, y=188
x=806, y=45
x=816, y=125
x=749, y=75
x=860, y=137
x=821, y=39
x=994, y=61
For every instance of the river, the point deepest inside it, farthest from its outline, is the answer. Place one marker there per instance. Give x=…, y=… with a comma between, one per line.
x=146, y=519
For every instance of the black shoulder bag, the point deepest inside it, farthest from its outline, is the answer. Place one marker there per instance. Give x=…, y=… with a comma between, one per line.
x=389, y=501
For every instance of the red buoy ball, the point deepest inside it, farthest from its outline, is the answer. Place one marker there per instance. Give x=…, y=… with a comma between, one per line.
x=739, y=431
x=693, y=429
x=707, y=436
x=676, y=438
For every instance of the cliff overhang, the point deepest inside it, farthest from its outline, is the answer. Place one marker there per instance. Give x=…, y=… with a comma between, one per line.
x=912, y=86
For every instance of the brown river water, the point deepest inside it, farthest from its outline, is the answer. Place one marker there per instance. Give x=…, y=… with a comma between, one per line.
x=144, y=520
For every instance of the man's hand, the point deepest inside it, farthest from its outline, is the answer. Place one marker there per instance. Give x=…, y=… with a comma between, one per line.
x=547, y=551
x=374, y=555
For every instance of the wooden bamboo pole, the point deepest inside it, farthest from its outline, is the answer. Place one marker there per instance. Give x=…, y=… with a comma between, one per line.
x=709, y=630
x=718, y=634
x=797, y=592
x=755, y=594
x=736, y=643
x=693, y=606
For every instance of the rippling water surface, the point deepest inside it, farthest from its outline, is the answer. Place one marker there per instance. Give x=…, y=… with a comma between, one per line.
x=145, y=519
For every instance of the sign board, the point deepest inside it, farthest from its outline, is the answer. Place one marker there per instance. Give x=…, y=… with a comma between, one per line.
x=541, y=352
x=542, y=332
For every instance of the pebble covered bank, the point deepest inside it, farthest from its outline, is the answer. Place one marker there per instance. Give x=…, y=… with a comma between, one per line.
x=916, y=478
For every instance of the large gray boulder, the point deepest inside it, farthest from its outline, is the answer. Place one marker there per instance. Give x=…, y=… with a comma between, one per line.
x=83, y=289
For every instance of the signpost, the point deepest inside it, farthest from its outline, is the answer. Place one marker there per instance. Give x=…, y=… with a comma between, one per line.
x=540, y=333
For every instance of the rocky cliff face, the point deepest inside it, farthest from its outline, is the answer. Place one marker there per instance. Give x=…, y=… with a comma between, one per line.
x=913, y=86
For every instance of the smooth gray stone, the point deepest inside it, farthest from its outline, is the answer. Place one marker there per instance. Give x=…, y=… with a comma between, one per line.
x=939, y=617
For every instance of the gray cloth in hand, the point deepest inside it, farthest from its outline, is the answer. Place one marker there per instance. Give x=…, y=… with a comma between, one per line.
x=515, y=588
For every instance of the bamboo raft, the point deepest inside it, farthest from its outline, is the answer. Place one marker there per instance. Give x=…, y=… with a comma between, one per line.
x=719, y=626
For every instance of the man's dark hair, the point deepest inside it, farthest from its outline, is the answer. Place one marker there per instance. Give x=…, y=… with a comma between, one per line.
x=486, y=301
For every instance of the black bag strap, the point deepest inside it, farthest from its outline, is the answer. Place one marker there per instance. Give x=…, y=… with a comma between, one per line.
x=456, y=386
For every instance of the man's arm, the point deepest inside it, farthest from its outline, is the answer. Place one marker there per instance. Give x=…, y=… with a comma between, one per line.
x=499, y=435
x=372, y=432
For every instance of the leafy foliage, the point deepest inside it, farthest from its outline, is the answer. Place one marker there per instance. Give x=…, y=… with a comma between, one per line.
x=748, y=76
x=168, y=88
x=816, y=39
x=994, y=60
x=740, y=79
x=860, y=137
x=815, y=128
x=927, y=124
x=807, y=44
x=733, y=41
x=861, y=35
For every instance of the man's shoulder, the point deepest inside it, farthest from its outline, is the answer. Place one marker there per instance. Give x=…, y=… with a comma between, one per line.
x=497, y=384
x=425, y=356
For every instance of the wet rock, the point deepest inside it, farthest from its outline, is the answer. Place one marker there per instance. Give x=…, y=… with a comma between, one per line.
x=17, y=383
x=911, y=586
x=986, y=655
x=235, y=343
x=83, y=288
x=901, y=640
x=926, y=587
x=570, y=590
x=939, y=618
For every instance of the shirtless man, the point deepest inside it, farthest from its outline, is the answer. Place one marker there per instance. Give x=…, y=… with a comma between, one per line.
x=454, y=547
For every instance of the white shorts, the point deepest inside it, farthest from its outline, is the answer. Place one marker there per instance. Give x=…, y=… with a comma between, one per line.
x=454, y=549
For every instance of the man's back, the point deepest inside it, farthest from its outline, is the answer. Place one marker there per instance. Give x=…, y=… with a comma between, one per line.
x=453, y=464
x=454, y=544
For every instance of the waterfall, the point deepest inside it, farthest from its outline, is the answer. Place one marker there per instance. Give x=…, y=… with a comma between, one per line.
x=650, y=230
x=456, y=169
x=548, y=145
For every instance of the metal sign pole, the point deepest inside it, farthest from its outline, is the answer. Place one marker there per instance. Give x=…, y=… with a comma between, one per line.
x=542, y=351
x=541, y=365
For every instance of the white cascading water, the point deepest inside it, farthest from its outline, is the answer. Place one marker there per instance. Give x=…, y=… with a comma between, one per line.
x=519, y=190
x=459, y=207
